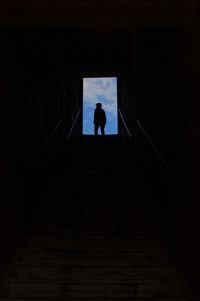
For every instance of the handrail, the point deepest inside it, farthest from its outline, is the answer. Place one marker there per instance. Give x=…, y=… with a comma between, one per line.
x=46, y=140
x=71, y=130
x=50, y=135
x=125, y=125
x=175, y=179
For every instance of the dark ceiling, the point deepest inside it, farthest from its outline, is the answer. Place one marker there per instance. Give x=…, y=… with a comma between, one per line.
x=96, y=14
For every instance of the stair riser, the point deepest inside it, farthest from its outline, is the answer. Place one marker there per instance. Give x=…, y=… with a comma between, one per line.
x=89, y=274
x=98, y=244
x=96, y=258
x=107, y=298
x=92, y=290
x=91, y=234
x=136, y=231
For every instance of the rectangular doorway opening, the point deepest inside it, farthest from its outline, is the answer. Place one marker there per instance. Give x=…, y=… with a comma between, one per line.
x=101, y=90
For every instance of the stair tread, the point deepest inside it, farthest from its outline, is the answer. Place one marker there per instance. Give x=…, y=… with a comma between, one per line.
x=101, y=242
x=81, y=258
x=106, y=298
x=119, y=289
x=96, y=273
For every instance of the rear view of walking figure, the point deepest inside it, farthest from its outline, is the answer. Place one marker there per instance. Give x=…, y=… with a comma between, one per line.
x=99, y=119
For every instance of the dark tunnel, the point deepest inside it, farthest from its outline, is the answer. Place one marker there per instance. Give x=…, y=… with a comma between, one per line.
x=107, y=217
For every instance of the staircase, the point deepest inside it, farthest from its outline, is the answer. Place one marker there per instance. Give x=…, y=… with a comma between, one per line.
x=100, y=242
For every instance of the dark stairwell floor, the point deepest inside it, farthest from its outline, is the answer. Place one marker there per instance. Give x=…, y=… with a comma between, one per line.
x=97, y=239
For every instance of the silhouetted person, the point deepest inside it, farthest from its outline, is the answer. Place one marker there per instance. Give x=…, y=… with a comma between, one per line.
x=99, y=119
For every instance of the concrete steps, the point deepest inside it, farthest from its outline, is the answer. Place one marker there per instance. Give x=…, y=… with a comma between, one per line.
x=106, y=298
x=99, y=273
x=132, y=229
x=33, y=256
x=93, y=220
x=103, y=289
x=102, y=244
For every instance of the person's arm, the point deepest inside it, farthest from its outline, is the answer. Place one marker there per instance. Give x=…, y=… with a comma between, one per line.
x=94, y=116
x=104, y=117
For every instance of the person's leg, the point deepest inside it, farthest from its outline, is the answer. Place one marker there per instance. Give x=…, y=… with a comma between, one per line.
x=96, y=129
x=102, y=129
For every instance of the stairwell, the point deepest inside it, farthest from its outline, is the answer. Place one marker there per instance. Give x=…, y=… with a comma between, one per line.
x=102, y=241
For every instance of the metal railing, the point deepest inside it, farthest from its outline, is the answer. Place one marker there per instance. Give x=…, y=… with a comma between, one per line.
x=73, y=124
x=124, y=123
x=42, y=145
x=49, y=137
x=171, y=173
x=159, y=155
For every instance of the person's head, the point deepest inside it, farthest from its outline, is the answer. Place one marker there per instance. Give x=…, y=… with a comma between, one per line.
x=98, y=105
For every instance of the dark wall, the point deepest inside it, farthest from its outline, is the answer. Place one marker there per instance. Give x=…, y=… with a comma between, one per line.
x=30, y=92
x=29, y=99
x=155, y=74
x=167, y=86
x=39, y=86
x=168, y=97
x=126, y=85
x=167, y=80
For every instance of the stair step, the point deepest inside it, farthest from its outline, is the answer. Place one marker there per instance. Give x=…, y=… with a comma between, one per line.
x=86, y=206
x=92, y=258
x=115, y=171
x=56, y=204
x=99, y=211
x=97, y=274
x=108, y=193
x=78, y=219
x=116, y=205
x=112, y=289
x=99, y=234
x=128, y=227
x=95, y=243
x=92, y=232
x=84, y=202
x=92, y=220
x=138, y=195
x=107, y=298
x=135, y=202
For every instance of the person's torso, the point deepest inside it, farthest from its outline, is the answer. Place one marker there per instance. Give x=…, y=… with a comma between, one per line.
x=99, y=116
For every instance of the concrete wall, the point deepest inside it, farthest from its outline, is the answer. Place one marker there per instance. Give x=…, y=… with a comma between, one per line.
x=168, y=80
x=29, y=89
x=38, y=87
x=127, y=85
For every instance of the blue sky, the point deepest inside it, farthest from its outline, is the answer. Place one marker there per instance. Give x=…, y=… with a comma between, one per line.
x=104, y=90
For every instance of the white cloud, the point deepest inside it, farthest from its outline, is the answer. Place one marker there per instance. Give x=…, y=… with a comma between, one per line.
x=101, y=90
